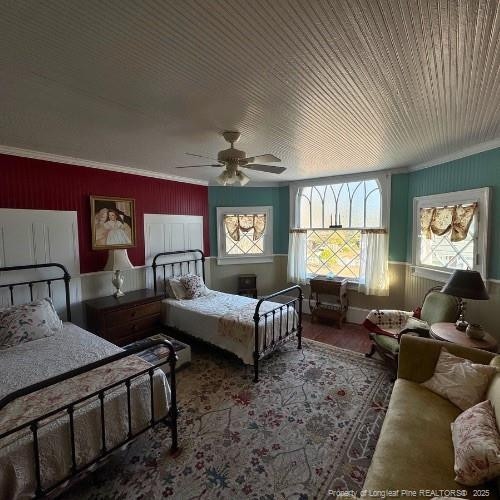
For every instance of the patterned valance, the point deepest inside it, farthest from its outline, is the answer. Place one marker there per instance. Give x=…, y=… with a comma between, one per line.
x=441, y=220
x=236, y=224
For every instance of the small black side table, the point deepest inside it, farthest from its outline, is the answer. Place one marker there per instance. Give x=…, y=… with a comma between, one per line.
x=247, y=285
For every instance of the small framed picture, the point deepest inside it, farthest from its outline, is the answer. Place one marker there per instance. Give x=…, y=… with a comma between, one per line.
x=113, y=222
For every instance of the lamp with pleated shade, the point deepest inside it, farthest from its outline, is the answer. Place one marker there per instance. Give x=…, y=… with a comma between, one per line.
x=118, y=261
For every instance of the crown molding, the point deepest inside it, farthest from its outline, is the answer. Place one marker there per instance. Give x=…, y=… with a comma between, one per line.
x=69, y=160
x=463, y=153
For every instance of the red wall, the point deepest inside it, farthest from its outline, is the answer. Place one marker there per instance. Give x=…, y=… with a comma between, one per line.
x=44, y=185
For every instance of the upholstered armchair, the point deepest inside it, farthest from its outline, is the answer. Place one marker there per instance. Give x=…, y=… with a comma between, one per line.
x=387, y=326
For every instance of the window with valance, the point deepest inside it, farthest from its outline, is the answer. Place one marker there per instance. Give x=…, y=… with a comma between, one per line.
x=244, y=233
x=450, y=232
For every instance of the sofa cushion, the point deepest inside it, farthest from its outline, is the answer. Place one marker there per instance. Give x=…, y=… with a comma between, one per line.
x=415, y=449
x=462, y=382
x=493, y=393
x=387, y=343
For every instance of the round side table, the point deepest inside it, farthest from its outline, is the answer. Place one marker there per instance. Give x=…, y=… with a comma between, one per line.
x=449, y=333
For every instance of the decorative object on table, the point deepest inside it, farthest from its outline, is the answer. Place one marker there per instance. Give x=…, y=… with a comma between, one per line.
x=449, y=333
x=124, y=319
x=337, y=224
x=335, y=311
x=157, y=354
x=465, y=284
x=247, y=285
x=113, y=222
x=118, y=261
x=474, y=331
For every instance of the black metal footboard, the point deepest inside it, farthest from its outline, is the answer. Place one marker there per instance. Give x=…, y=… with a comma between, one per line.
x=33, y=425
x=275, y=315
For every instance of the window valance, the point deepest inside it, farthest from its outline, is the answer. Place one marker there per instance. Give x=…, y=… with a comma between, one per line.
x=441, y=220
x=236, y=224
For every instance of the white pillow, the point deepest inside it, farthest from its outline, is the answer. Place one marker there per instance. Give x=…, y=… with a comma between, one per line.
x=459, y=380
x=27, y=322
x=477, y=445
x=175, y=289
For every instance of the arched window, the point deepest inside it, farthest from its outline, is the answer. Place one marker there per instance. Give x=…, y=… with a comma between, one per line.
x=335, y=215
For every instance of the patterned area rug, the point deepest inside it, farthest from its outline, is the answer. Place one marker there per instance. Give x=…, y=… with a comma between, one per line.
x=310, y=425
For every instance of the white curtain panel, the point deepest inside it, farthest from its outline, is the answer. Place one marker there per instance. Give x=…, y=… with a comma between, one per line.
x=296, y=271
x=374, y=267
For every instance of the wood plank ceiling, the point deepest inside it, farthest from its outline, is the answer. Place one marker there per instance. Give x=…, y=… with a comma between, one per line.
x=330, y=86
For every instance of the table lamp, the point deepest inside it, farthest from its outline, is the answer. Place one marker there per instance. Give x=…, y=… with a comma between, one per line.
x=118, y=261
x=467, y=284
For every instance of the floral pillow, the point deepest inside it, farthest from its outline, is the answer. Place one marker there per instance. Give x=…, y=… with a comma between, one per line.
x=27, y=322
x=194, y=286
x=459, y=380
x=477, y=445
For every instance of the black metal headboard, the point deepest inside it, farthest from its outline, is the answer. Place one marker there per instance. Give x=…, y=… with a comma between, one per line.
x=188, y=263
x=48, y=281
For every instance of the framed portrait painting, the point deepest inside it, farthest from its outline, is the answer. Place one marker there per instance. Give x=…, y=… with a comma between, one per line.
x=113, y=222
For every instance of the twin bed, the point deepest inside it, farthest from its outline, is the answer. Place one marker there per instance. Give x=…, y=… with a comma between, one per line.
x=249, y=328
x=70, y=400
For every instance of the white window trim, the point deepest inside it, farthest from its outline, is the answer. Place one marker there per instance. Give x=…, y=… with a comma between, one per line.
x=482, y=196
x=383, y=179
x=267, y=256
x=384, y=182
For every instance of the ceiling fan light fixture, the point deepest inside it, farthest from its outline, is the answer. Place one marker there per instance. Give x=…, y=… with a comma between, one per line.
x=225, y=178
x=242, y=178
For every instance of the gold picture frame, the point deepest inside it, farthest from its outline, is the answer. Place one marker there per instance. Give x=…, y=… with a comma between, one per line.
x=113, y=222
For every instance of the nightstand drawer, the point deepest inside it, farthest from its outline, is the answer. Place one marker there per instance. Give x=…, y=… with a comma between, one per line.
x=124, y=333
x=124, y=316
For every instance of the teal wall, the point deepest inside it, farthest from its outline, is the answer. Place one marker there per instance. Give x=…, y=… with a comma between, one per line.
x=398, y=226
x=479, y=170
x=277, y=197
x=476, y=171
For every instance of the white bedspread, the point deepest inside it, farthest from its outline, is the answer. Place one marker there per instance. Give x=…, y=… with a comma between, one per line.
x=226, y=321
x=35, y=361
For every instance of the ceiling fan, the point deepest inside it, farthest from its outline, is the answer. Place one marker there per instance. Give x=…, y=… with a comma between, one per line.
x=234, y=159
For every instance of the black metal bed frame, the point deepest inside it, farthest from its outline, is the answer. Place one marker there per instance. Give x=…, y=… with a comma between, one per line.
x=258, y=354
x=33, y=425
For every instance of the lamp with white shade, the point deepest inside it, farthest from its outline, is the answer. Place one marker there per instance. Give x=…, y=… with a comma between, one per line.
x=118, y=261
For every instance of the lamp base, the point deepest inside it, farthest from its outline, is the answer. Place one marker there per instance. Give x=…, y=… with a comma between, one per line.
x=461, y=325
x=117, y=281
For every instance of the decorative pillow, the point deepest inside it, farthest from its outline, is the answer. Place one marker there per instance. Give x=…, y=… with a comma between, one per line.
x=175, y=289
x=27, y=322
x=459, y=380
x=416, y=323
x=477, y=445
x=194, y=285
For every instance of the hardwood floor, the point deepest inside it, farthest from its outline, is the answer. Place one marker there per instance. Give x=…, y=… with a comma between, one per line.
x=351, y=336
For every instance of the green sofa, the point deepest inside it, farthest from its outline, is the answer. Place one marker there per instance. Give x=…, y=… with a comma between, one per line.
x=415, y=450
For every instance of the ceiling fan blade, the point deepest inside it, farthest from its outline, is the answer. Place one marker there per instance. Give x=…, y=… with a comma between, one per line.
x=265, y=168
x=266, y=158
x=194, y=166
x=202, y=156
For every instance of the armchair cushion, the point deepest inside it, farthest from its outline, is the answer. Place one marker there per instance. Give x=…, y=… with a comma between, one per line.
x=387, y=343
x=439, y=307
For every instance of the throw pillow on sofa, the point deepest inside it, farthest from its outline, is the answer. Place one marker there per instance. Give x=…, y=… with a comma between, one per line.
x=459, y=380
x=477, y=445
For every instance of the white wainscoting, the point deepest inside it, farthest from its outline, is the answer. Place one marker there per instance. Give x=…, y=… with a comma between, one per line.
x=39, y=237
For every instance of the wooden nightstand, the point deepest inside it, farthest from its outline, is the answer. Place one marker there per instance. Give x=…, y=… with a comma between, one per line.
x=122, y=320
x=336, y=311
